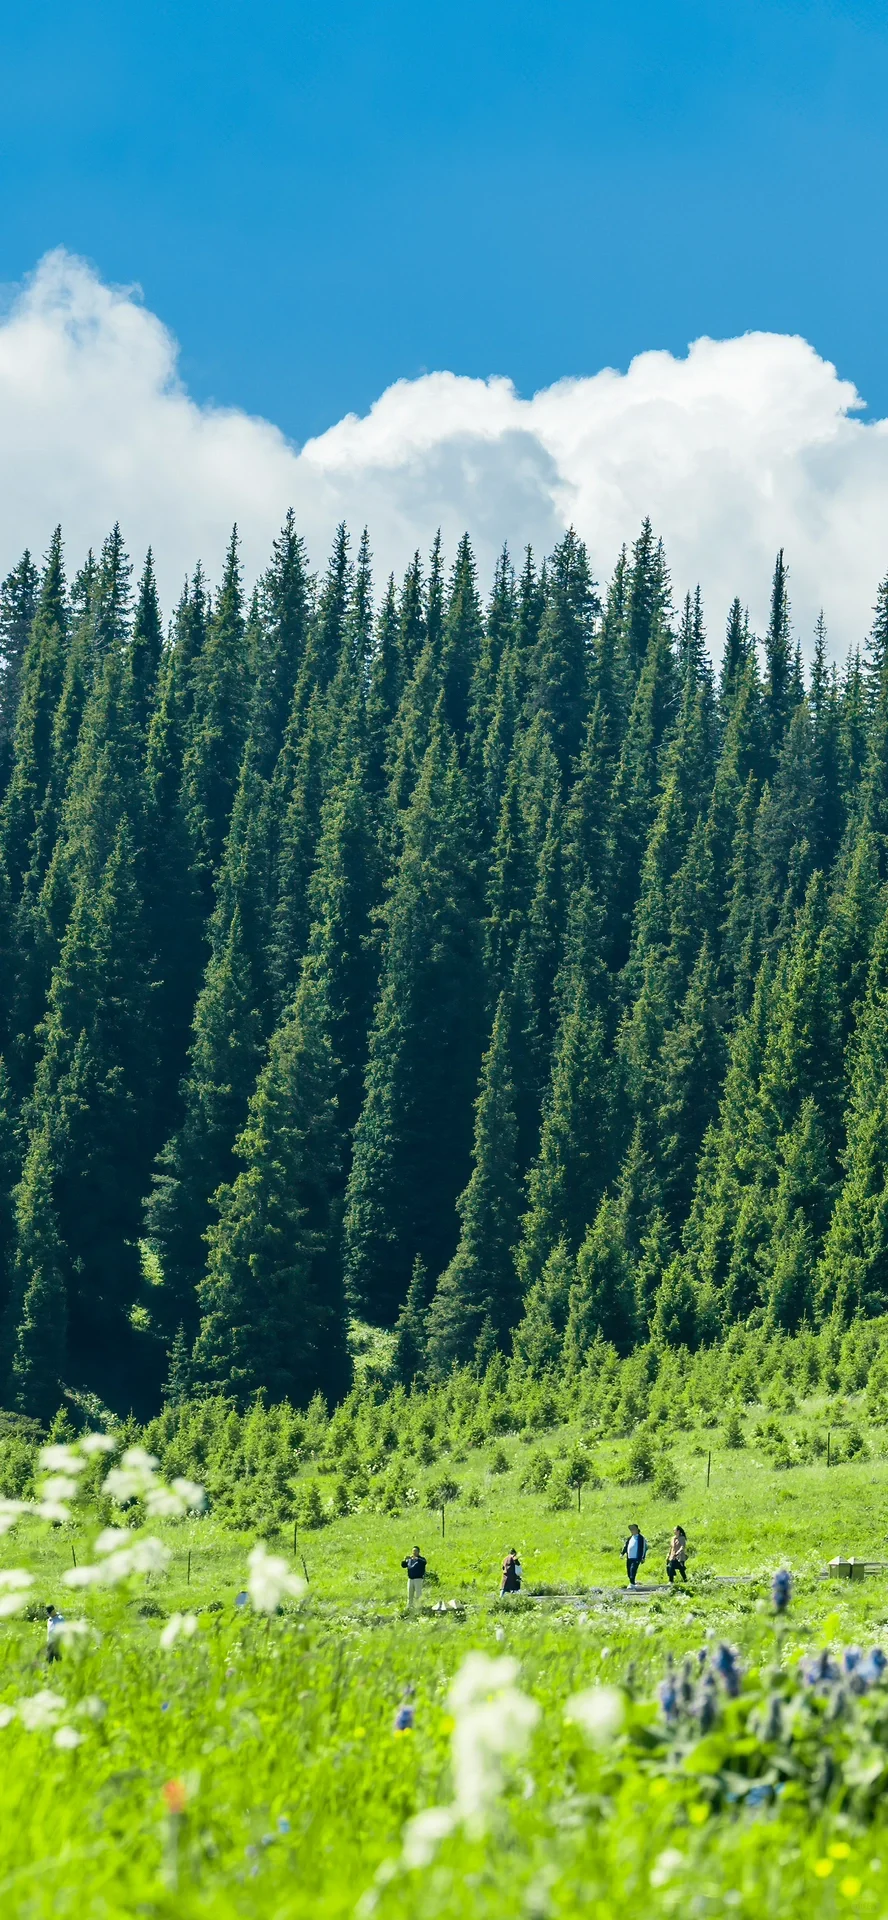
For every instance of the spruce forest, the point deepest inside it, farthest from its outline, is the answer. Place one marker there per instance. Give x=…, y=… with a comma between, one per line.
x=468, y=960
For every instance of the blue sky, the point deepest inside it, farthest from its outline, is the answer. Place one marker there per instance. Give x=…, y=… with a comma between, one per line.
x=318, y=200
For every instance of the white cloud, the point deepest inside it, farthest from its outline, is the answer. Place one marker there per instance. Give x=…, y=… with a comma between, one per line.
x=742, y=446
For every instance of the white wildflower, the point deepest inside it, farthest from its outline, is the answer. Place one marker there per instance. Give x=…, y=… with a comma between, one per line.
x=67, y=1737
x=666, y=1866
x=172, y=1503
x=61, y=1459
x=193, y=1494
x=59, y=1486
x=493, y=1721
x=91, y=1707
x=39, y=1710
x=270, y=1580
x=139, y=1460
x=98, y=1443
x=600, y=1711
x=143, y=1556
x=17, y=1582
x=51, y=1510
x=423, y=1836
x=11, y=1511
x=72, y=1630
x=112, y=1537
x=7, y=1715
x=178, y=1624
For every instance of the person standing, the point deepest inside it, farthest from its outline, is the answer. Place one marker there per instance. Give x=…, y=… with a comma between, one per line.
x=511, y=1572
x=416, y=1568
x=634, y=1550
x=678, y=1553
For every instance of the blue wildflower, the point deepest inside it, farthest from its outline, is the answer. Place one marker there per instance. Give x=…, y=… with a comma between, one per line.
x=781, y=1590
x=707, y=1705
x=668, y=1698
x=725, y=1664
x=283, y=1823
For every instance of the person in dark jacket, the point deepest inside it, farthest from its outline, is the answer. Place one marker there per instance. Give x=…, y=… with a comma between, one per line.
x=511, y=1572
x=634, y=1550
x=416, y=1567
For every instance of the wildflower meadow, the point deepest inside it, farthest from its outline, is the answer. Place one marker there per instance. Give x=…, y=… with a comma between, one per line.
x=216, y=1723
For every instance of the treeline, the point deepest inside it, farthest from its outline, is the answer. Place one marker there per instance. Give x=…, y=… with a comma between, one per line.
x=388, y=1448
x=495, y=973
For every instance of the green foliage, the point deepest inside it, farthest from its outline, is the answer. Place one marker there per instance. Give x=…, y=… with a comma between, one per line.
x=486, y=972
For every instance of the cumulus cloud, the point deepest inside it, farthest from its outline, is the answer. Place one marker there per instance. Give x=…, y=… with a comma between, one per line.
x=741, y=446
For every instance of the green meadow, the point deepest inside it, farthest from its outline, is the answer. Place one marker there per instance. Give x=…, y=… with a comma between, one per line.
x=252, y=1764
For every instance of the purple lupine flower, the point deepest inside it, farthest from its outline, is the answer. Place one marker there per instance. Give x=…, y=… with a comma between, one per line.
x=707, y=1705
x=851, y=1658
x=668, y=1698
x=725, y=1664
x=686, y=1683
x=781, y=1590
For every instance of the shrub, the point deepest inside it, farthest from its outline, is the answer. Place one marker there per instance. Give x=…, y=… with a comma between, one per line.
x=441, y=1493
x=499, y=1460
x=579, y=1472
x=559, y=1493
x=640, y=1462
x=310, y=1509
x=667, y=1485
x=537, y=1471
x=426, y=1450
x=855, y=1444
x=16, y=1467
x=733, y=1434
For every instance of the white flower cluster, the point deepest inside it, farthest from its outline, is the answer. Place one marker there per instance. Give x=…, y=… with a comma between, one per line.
x=492, y=1725
x=180, y=1626
x=41, y=1713
x=137, y=1479
x=14, y=1585
x=600, y=1711
x=270, y=1580
x=119, y=1556
x=61, y=1467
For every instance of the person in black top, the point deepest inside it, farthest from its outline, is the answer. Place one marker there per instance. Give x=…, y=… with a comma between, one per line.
x=511, y=1572
x=416, y=1567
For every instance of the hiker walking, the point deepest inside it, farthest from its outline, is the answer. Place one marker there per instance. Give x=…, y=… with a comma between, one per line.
x=634, y=1551
x=678, y=1553
x=511, y=1572
x=416, y=1567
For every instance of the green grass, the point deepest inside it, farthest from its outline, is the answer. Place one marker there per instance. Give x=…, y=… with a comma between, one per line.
x=296, y=1787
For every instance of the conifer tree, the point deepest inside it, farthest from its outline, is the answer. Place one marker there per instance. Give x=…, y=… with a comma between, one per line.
x=576, y=1156
x=272, y=1308
x=410, y=1329
x=218, y=725
x=480, y=1283
x=18, y=605
x=424, y=1051
x=601, y=1300
x=39, y=1333
x=145, y=648
x=561, y=674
